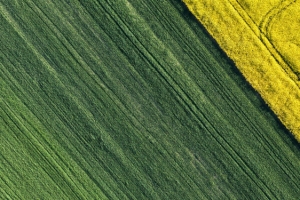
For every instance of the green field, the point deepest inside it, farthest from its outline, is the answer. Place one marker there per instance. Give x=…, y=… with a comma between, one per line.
x=127, y=100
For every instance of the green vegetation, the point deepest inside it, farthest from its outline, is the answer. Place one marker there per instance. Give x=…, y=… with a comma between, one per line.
x=266, y=51
x=130, y=100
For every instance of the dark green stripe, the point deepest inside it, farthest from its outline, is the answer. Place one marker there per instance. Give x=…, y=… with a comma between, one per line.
x=130, y=100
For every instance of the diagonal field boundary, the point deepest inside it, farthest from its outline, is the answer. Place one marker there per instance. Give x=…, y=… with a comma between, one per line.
x=254, y=54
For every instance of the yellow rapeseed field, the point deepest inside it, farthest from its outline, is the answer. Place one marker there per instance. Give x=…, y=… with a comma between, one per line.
x=263, y=39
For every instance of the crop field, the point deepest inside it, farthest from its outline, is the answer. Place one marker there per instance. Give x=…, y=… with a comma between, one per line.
x=263, y=40
x=131, y=99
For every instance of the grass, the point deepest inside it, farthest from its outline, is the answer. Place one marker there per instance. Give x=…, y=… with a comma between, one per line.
x=263, y=46
x=130, y=100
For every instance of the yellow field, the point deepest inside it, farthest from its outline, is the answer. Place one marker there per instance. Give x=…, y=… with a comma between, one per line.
x=263, y=40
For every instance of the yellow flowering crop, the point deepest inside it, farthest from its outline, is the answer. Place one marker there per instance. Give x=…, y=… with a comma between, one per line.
x=263, y=39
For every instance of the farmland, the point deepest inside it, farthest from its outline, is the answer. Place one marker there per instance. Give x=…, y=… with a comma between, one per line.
x=131, y=100
x=263, y=41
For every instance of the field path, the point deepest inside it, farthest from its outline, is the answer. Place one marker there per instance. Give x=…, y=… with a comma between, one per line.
x=131, y=100
x=262, y=39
